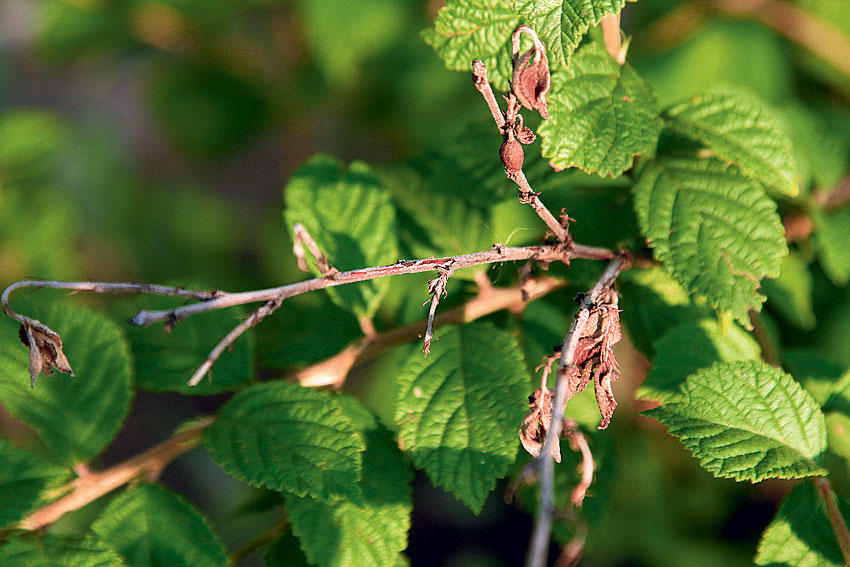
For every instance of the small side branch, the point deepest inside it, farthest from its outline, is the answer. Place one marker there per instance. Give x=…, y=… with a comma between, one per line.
x=302, y=238
x=514, y=172
x=255, y=317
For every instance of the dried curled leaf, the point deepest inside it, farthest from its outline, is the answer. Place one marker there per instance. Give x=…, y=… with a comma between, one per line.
x=536, y=424
x=594, y=357
x=531, y=80
x=45, y=350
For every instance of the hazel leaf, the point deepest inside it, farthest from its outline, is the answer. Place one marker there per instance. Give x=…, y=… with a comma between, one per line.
x=749, y=421
x=800, y=533
x=459, y=410
x=601, y=115
x=714, y=230
x=288, y=438
x=742, y=130
x=350, y=215
x=76, y=416
x=475, y=29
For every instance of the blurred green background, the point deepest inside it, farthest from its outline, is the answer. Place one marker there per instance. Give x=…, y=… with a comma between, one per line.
x=150, y=140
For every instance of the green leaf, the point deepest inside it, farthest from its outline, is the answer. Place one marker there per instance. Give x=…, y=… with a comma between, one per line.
x=800, y=533
x=791, y=293
x=691, y=347
x=832, y=232
x=562, y=23
x=459, y=410
x=601, y=115
x=350, y=216
x=288, y=438
x=449, y=224
x=741, y=130
x=50, y=550
x=475, y=29
x=748, y=421
x=166, y=361
x=715, y=231
x=374, y=533
x=150, y=526
x=76, y=416
x=653, y=304
x=23, y=481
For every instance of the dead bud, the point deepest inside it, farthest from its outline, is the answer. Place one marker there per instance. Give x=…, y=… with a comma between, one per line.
x=511, y=154
x=531, y=80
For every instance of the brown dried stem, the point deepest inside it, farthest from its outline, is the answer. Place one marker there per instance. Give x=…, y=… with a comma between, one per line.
x=92, y=486
x=544, y=462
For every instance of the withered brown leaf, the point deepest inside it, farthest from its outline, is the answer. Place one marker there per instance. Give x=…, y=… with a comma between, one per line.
x=536, y=424
x=594, y=357
x=45, y=347
x=531, y=80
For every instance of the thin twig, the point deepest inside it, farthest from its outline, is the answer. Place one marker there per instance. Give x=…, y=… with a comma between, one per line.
x=303, y=237
x=89, y=488
x=104, y=287
x=544, y=253
x=268, y=537
x=255, y=317
x=479, y=77
x=836, y=520
x=542, y=532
